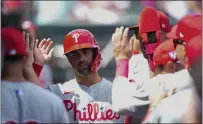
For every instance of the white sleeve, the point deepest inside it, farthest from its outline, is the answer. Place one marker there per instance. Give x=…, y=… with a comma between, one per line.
x=126, y=100
x=129, y=96
x=138, y=69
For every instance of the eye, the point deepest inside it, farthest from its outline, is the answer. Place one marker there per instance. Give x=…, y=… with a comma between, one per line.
x=85, y=51
x=71, y=54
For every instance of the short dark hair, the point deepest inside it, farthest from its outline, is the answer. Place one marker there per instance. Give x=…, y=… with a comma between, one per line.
x=160, y=68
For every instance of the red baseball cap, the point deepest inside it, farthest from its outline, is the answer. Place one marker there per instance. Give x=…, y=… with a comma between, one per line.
x=194, y=49
x=189, y=26
x=172, y=33
x=14, y=43
x=149, y=20
x=164, y=21
x=164, y=53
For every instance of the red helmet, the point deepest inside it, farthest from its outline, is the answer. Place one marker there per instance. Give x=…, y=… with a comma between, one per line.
x=79, y=39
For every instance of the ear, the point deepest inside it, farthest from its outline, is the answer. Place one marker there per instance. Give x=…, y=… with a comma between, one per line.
x=170, y=67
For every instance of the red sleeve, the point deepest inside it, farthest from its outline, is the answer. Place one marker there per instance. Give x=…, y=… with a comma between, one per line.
x=122, y=68
x=37, y=68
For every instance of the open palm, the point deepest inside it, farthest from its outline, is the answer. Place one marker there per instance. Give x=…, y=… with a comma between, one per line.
x=43, y=51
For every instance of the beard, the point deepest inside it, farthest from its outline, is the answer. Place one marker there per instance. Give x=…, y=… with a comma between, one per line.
x=84, y=70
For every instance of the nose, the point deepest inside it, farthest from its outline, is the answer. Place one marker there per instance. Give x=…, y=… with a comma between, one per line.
x=81, y=56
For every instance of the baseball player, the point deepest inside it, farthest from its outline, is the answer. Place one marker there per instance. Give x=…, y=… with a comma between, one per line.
x=23, y=101
x=184, y=104
x=87, y=97
x=188, y=28
x=194, y=53
x=134, y=101
x=139, y=49
x=46, y=73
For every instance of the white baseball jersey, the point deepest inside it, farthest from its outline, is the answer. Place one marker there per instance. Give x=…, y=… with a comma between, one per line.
x=179, y=80
x=134, y=95
x=173, y=108
x=88, y=104
x=25, y=102
x=130, y=91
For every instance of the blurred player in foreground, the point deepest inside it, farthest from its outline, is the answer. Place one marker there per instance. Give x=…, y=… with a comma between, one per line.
x=46, y=77
x=185, y=104
x=22, y=100
x=134, y=103
x=138, y=63
x=87, y=97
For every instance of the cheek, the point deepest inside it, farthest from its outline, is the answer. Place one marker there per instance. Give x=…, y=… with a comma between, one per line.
x=89, y=57
x=72, y=62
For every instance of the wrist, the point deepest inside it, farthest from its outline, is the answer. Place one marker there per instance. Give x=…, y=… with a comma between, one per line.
x=28, y=66
x=39, y=63
x=121, y=57
x=122, y=67
x=37, y=68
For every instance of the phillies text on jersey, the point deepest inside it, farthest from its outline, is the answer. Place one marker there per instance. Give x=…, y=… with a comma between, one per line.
x=88, y=104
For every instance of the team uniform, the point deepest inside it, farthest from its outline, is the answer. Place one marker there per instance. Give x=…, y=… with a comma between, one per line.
x=131, y=97
x=135, y=98
x=177, y=108
x=172, y=108
x=25, y=102
x=86, y=104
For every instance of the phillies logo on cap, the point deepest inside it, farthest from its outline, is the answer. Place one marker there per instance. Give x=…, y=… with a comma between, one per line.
x=76, y=36
x=12, y=52
x=163, y=26
x=172, y=55
x=181, y=35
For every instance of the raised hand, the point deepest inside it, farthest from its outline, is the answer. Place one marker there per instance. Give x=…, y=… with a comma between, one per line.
x=159, y=93
x=43, y=51
x=136, y=46
x=28, y=71
x=122, y=46
x=30, y=43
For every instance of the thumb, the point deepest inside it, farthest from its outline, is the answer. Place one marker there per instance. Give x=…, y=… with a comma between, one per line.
x=50, y=52
x=131, y=43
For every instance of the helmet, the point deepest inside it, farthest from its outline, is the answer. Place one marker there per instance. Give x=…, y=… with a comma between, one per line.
x=79, y=39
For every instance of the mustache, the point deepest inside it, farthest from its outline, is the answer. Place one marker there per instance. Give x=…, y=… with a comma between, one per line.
x=81, y=63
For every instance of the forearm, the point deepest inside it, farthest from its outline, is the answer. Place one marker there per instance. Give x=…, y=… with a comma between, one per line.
x=126, y=100
x=30, y=75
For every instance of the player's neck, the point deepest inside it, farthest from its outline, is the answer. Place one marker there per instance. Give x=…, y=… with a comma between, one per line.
x=89, y=80
x=12, y=73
